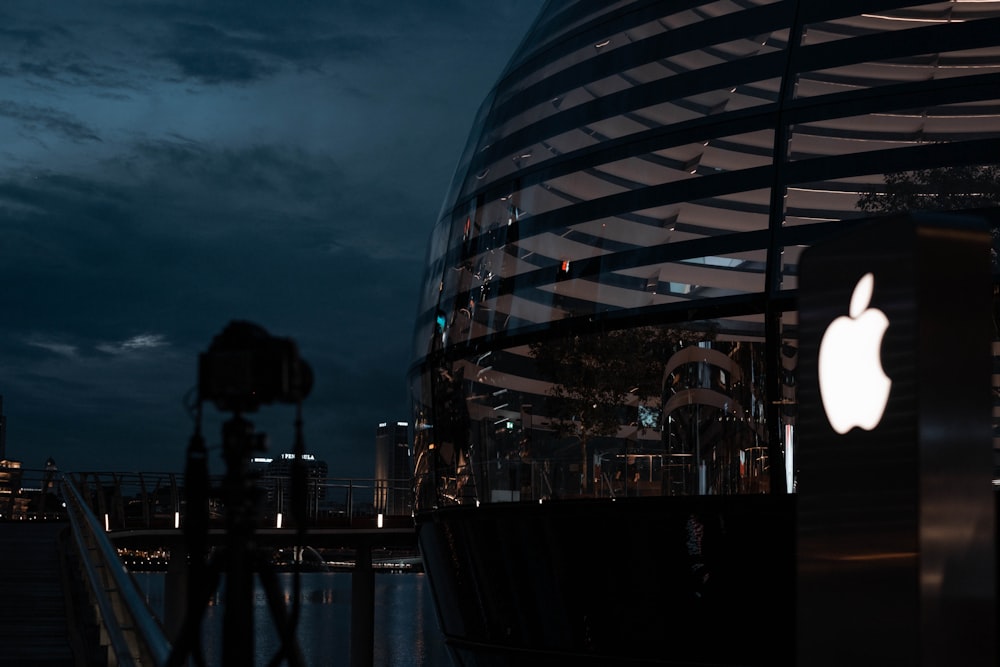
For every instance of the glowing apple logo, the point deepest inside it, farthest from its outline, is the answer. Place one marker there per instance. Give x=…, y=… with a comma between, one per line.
x=852, y=383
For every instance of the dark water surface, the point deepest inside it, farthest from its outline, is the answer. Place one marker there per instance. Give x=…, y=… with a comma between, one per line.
x=406, y=628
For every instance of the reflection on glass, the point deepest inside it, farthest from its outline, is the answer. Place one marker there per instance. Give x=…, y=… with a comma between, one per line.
x=714, y=420
x=629, y=412
x=663, y=169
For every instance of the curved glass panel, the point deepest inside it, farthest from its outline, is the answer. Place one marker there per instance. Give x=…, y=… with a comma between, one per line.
x=637, y=411
x=609, y=304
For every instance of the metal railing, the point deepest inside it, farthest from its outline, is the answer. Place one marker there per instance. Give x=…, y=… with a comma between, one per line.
x=129, y=629
x=608, y=475
x=127, y=501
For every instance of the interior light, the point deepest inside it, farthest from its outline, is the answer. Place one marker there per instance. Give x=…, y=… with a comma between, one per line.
x=789, y=458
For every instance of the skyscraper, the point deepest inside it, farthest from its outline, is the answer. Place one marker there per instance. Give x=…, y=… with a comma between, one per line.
x=278, y=482
x=3, y=432
x=393, y=471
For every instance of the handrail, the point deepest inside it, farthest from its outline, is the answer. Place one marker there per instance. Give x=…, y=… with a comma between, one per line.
x=134, y=634
x=130, y=500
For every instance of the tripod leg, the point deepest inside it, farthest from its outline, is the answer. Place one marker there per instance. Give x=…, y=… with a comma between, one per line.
x=286, y=622
x=188, y=642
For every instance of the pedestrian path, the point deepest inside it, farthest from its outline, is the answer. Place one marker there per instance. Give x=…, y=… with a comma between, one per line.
x=34, y=614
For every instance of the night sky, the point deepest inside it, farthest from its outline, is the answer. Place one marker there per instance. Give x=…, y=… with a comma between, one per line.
x=168, y=167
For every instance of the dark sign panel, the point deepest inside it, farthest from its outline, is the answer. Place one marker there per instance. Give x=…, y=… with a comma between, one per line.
x=896, y=510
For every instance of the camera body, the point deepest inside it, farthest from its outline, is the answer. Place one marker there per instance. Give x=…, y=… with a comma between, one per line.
x=246, y=367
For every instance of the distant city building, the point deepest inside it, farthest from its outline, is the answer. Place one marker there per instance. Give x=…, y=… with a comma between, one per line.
x=393, y=469
x=258, y=465
x=3, y=431
x=277, y=480
x=12, y=504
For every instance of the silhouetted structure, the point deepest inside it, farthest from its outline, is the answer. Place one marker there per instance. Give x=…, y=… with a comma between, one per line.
x=3, y=431
x=393, y=469
x=244, y=367
x=278, y=479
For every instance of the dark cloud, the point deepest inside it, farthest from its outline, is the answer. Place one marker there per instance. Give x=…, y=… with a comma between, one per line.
x=35, y=118
x=218, y=46
x=220, y=66
x=25, y=39
x=72, y=69
x=22, y=39
x=84, y=237
x=49, y=54
x=172, y=166
x=286, y=176
x=306, y=40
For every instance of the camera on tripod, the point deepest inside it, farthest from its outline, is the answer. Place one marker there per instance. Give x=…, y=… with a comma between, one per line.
x=246, y=367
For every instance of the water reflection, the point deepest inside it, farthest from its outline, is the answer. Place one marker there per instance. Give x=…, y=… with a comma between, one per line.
x=406, y=628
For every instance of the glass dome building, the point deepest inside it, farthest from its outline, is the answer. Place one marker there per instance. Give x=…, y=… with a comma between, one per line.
x=606, y=335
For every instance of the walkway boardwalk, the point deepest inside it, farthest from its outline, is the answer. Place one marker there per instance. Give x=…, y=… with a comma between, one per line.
x=34, y=625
